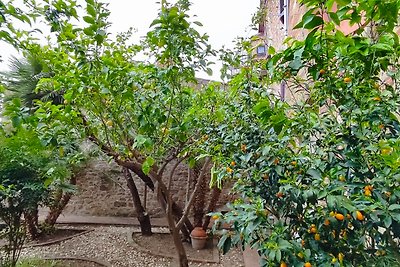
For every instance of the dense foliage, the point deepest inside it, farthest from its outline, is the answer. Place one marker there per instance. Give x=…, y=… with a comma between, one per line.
x=318, y=176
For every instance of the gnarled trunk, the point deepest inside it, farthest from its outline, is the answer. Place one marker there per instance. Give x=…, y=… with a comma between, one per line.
x=143, y=217
x=60, y=202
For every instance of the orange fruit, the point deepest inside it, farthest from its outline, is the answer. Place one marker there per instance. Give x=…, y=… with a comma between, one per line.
x=377, y=98
x=359, y=215
x=367, y=193
x=347, y=79
x=233, y=163
x=327, y=222
x=283, y=264
x=279, y=194
x=303, y=243
x=369, y=187
x=381, y=126
x=294, y=163
x=215, y=217
x=322, y=71
x=339, y=217
x=307, y=264
x=229, y=170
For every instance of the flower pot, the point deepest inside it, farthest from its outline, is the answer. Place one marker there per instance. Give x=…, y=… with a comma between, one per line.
x=199, y=238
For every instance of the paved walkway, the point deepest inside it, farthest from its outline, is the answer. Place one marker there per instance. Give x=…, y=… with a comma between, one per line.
x=250, y=256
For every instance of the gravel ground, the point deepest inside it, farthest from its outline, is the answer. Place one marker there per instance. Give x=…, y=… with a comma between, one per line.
x=110, y=244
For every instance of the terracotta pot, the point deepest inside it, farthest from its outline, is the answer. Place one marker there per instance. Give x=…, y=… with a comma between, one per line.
x=199, y=238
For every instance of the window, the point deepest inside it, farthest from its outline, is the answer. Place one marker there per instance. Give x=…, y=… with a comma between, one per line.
x=261, y=50
x=283, y=11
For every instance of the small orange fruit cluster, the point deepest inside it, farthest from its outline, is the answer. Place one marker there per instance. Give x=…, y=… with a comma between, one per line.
x=368, y=190
x=313, y=229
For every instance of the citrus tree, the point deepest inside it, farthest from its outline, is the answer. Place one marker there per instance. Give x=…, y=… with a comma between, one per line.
x=317, y=176
x=140, y=114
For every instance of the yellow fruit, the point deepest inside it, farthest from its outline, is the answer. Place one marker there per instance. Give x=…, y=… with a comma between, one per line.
x=369, y=187
x=317, y=237
x=386, y=151
x=347, y=79
x=359, y=216
x=334, y=260
x=342, y=178
x=205, y=137
x=109, y=123
x=322, y=71
x=332, y=214
x=215, y=217
x=300, y=255
x=340, y=256
x=307, y=264
x=229, y=170
x=313, y=230
x=294, y=163
x=367, y=193
x=377, y=98
x=339, y=217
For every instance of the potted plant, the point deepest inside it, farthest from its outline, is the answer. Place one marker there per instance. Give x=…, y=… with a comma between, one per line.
x=199, y=238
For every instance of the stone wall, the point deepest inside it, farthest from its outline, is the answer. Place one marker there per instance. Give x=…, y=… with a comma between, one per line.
x=102, y=191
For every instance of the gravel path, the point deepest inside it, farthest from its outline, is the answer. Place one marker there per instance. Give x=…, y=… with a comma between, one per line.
x=110, y=244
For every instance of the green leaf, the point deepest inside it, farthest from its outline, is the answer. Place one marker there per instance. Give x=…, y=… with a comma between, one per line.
x=91, y=11
x=147, y=164
x=198, y=23
x=314, y=22
x=394, y=207
x=89, y=19
x=314, y=173
x=387, y=221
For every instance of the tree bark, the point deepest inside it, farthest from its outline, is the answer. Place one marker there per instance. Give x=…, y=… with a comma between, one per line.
x=199, y=200
x=215, y=194
x=31, y=222
x=60, y=203
x=142, y=216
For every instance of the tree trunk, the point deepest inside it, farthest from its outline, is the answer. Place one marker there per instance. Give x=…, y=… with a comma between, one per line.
x=199, y=200
x=182, y=258
x=143, y=217
x=31, y=222
x=215, y=194
x=60, y=203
